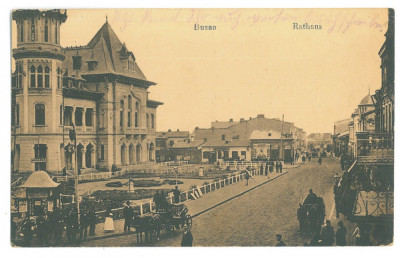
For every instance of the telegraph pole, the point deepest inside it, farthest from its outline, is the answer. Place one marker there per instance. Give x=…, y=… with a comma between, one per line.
x=72, y=137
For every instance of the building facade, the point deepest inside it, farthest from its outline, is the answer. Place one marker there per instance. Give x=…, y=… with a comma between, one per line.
x=98, y=88
x=242, y=140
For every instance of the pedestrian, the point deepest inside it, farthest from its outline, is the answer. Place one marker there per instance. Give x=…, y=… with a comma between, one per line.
x=247, y=175
x=42, y=227
x=311, y=198
x=187, y=237
x=57, y=222
x=163, y=201
x=357, y=235
x=320, y=160
x=303, y=158
x=337, y=198
x=277, y=167
x=261, y=170
x=128, y=215
x=109, y=222
x=301, y=216
x=72, y=225
x=341, y=234
x=327, y=234
x=279, y=241
x=271, y=167
x=177, y=194
x=84, y=224
x=280, y=167
x=27, y=232
x=92, y=222
x=156, y=199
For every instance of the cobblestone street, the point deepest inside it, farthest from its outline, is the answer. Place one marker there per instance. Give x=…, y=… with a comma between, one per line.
x=254, y=218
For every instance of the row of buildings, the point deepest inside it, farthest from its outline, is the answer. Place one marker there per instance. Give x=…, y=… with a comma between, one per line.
x=98, y=87
x=365, y=143
x=256, y=138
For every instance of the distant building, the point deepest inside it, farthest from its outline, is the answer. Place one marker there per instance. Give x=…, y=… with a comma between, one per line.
x=319, y=141
x=98, y=87
x=177, y=146
x=243, y=139
x=340, y=137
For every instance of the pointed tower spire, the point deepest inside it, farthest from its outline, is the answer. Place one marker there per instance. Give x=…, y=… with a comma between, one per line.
x=369, y=90
x=106, y=18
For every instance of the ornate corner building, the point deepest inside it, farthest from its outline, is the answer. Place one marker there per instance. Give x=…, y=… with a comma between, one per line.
x=98, y=87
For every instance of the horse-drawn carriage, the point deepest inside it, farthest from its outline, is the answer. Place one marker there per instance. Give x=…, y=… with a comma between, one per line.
x=151, y=224
x=311, y=215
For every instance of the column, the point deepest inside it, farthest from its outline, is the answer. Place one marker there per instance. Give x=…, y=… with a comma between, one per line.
x=83, y=157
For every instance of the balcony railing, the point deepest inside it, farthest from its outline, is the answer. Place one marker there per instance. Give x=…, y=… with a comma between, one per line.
x=375, y=144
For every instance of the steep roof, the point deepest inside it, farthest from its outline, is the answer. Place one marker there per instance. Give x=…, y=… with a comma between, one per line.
x=108, y=52
x=39, y=179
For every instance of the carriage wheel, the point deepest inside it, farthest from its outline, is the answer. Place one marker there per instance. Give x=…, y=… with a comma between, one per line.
x=188, y=220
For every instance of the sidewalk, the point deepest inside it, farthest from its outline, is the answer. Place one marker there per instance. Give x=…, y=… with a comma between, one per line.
x=199, y=206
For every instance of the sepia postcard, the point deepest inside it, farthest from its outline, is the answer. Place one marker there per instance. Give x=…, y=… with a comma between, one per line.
x=202, y=127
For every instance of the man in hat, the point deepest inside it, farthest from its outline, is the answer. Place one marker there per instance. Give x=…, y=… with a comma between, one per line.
x=177, y=193
x=279, y=241
x=128, y=214
x=187, y=237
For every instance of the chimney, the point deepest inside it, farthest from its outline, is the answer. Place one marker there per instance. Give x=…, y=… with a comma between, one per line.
x=196, y=128
x=250, y=118
x=177, y=130
x=231, y=120
x=169, y=130
x=241, y=119
x=260, y=116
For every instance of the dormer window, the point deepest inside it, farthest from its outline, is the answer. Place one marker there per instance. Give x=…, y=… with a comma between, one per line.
x=130, y=65
x=76, y=62
x=91, y=65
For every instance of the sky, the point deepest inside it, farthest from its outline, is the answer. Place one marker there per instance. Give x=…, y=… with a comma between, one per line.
x=253, y=63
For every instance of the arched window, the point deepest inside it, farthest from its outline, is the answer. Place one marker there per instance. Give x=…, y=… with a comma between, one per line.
x=46, y=30
x=121, y=114
x=147, y=121
x=137, y=114
x=47, y=77
x=152, y=121
x=33, y=29
x=33, y=76
x=129, y=110
x=21, y=31
x=40, y=77
x=58, y=78
x=40, y=114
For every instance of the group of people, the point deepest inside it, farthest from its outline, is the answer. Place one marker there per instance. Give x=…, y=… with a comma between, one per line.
x=49, y=228
x=269, y=167
x=327, y=235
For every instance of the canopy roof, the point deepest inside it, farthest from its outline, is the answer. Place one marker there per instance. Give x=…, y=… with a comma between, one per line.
x=39, y=179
